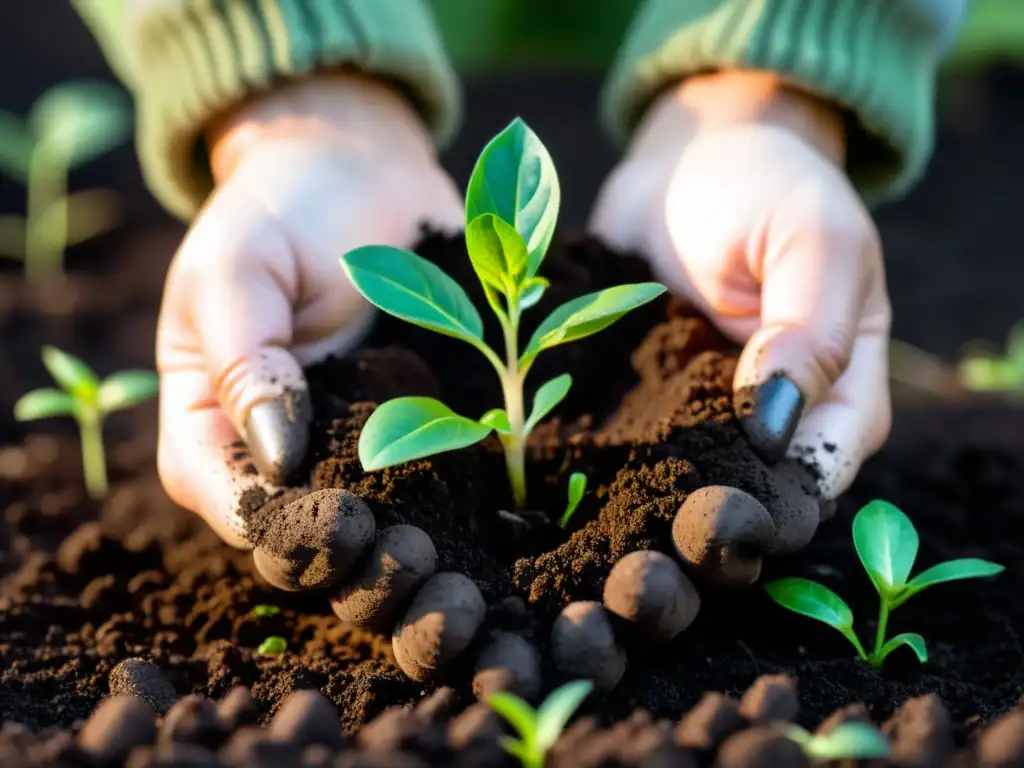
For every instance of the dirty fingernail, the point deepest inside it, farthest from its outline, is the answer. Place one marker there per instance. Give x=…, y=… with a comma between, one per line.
x=769, y=414
x=277, y=432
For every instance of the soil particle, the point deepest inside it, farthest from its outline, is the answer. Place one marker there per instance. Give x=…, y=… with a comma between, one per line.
x=583, y=645
x=764, y=746
x=648, y=590
x=141, y=678
x=508, y=663
x=192, y=720
x=919, y=733
x=311, y=541
x=475, y=725
x=307, y=717
x=1001, y=745
x=237, y=708
x=770, y=698
x=711, y=721
x=851, y=713
x=253, y=747
x=403, y=557
x=172, y=755
x=118, y=725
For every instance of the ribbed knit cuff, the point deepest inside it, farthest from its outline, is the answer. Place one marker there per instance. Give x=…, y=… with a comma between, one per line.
x=195, y=59
x=877, y=59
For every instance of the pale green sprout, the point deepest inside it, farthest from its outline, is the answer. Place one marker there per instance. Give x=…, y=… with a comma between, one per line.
x=272, y=646
x=847, y=741
x=539, y=728
x=88, y=400
x=264, y=611
x=577, y=487
x=68, y=126
x=511, y=209
x=886, y=543
x=984, y=371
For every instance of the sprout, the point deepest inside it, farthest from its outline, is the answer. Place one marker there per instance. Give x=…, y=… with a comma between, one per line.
x=68, y=126
x=886, y=543
x=272, y=646
x=538, y=729
x=983, y=371
x=511, y=209
x=847, y=741
x=88, y=400
x=265, y=611
x=577, y=487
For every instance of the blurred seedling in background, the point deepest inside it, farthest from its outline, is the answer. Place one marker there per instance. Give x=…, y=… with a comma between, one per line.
x=577, y=487
x=68, y=126
x=539, y=728
x=847, y=741
x=272, y=646
x=983, y=370
x=88, y=400
x=265, y=611
x=886, y=543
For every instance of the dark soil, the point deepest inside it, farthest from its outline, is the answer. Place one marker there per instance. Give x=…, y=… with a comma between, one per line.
x=86, y=586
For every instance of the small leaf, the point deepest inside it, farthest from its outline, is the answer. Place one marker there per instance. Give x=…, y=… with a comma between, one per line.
x=127, y=388
x=587, y=315
x=515, y=179
x=265, y=611
x=496, y=419
x=44, y=404
x=415, y=290
x=577, y=488
x=951, y=570
x=12, y=237
x=497, y=252
x=518, y=749
x=409, y=428
x=886, y=543
x=16, y=147
x=847, y=741
x=556, y=710
x=811, y=599
x=532, y=291
x=73, y=375
x=76, y=122
x=913, y=641
x=272, y=646
x=549, y=395
x=516, y=712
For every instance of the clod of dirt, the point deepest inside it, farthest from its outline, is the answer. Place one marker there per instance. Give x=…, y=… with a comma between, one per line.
x=138, y=677
x=509, y=663
x=237, y=709
x=919, y=732
x=851, y=713
x=118, y=725
x=402, y=559
x=312, y=541
x=442, y=620
x=769, y=699
x=722, y=533
x=763, y=746
x=476, y=724
x=307, y=717
x=380, y=760
x=797, y=510
x=583, y=644
x=254, y=746
x=1001, y=745
x=192, y=720
x=648, y=589
x=437, y=706
x=172, y=755
x=712, y=720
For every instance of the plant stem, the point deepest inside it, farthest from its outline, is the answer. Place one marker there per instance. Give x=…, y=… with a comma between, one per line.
x=94, y=462
x=512, y=389
x=47, y=186
x=883, y=625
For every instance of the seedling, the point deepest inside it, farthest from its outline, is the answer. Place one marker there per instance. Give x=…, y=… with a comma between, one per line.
x=265, y=611
x=847, y=741
x=272, y=646
x=511, y=208
x=68, y=126
x=886, y=543
x=88, y=400
x=983, y=371
x=577, y=487
x=538, y=729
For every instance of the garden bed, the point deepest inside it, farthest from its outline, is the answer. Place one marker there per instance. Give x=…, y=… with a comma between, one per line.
x=86, y=586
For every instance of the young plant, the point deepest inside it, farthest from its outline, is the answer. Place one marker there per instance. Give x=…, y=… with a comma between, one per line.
x=886, y=543
x=538, y=729
x=847, y=741
x=577, y=487
x=88, y=400
x=264, y=611
x=511, y=208
x=68, y=126
x=272, y=646
x=983, y=371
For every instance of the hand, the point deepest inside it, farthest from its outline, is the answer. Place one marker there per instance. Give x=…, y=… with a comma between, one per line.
x=256, y=291
x=734, y=188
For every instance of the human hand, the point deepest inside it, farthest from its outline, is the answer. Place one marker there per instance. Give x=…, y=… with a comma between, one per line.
x=256, y=292
x=734, y=188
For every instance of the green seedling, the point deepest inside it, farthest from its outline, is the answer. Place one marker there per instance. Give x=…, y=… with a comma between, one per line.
x=886, y=543
x=67, y=127
x=265, y=611
x=272, y=646
x=984, y=371
x=88, y=400
x=539, y=728
x=577, y=487
x=511, y=209
x=847, y=741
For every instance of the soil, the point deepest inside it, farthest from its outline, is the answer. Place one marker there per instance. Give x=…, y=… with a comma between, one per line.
x=86, y=586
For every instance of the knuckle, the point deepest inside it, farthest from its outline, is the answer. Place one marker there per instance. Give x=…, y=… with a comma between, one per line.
x=831, y=350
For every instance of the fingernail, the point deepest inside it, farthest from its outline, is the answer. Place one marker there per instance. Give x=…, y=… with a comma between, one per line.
x=769, y=416
x=277, y=433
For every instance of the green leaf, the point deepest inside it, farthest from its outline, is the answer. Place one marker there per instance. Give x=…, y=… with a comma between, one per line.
x=556, y=710
x=577, y=487
x=44, y=404
x=886, y=543
x=549, y=395
x=409, y=428
x=76, y=122
x=910, y=639
x=265, y=611
x=16, y=146
x=73, y=375
x=516, y=712
x=415, y=290
x=127, y=388
x=532, y=291
x=272, y=646
x=847, y=741
x=951, y=570
x=815, y=601
x=515, y=179
x=497, y=419
x=518, y=749
x=12, y=237
x=498, y=253
x=587, y=315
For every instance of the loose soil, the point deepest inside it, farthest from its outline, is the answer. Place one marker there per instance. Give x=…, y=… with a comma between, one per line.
x=86, y=586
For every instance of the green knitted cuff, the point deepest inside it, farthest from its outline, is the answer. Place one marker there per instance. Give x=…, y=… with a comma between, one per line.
x=875, y=58
x=196, y=58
